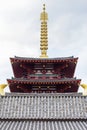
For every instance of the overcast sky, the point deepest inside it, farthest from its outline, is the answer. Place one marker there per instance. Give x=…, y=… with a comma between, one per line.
x=20, y=32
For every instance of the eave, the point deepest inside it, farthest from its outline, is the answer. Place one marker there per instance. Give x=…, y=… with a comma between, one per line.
x=43, y=60
x=46, y=81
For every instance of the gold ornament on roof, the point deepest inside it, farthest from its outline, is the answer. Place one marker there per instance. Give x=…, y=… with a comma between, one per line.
x=44, y=35
x=2, y=87
x=84, y=86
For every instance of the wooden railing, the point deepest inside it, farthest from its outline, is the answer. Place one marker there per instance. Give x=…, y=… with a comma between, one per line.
x=44, y=76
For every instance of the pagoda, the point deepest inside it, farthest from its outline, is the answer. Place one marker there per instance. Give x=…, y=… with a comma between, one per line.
x=44, y=74
x=43, y=92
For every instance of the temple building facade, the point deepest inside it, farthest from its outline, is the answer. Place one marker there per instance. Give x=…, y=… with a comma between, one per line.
x=44, y=92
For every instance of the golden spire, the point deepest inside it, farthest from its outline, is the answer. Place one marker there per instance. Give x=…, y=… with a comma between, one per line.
x=44, y=35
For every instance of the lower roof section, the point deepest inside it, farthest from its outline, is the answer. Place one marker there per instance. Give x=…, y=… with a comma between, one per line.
x=60, y=86
x=43, y=106
x=43, y=125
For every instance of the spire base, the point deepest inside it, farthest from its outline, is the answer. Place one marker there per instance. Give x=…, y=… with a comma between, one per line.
x=43, y=56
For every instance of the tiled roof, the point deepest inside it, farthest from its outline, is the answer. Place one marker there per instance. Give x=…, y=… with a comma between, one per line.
x=43, y=106
x=43, y=125
x=61, y=59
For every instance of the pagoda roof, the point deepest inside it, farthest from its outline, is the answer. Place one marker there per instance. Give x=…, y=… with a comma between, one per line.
x=44, y=81
x=50, y=60
x=21, y=65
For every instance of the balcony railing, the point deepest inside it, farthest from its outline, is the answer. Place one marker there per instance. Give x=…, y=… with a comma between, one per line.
x=43, y=76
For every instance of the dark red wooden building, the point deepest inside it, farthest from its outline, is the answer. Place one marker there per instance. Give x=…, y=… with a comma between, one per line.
x=44, y=75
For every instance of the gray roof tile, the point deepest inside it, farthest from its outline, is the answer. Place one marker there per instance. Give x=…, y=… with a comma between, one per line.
x=43, y=125
x=43, y=59
x=43, y=106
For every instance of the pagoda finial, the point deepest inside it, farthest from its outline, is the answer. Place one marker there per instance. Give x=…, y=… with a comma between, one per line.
x=44, y=35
